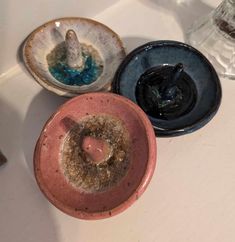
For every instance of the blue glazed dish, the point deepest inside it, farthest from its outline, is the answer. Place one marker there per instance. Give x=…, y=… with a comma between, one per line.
x=202, y=86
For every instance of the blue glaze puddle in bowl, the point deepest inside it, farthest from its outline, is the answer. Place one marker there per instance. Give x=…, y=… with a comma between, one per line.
x=73, y=77
x=197, y=90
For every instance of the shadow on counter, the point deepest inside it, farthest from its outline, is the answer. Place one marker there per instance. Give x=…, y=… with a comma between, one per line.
x=185, y=12
x=43, y=105
x=132, y=42
x=25, y=214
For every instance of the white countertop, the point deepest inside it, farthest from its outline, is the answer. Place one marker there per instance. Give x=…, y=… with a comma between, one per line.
x=191, y=197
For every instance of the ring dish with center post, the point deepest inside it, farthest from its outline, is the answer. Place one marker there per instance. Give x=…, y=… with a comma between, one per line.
x=71, y=56
x=173, y=83
x=95, y=156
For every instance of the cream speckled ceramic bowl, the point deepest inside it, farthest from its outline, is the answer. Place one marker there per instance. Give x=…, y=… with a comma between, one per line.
x=44, y=39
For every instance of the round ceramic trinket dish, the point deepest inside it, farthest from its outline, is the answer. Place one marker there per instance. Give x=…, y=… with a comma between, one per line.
x=71, y=56
x=95, y=155
x=173, y=83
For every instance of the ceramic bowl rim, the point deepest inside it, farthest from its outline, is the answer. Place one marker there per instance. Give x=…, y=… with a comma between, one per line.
x=149, y=171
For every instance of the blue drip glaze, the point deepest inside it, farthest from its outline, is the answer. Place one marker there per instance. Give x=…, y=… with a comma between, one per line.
x=66, y=75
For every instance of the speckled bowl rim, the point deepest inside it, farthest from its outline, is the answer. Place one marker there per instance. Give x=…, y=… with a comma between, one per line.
x=59, y=89
x=198, y=123
x=151, y=163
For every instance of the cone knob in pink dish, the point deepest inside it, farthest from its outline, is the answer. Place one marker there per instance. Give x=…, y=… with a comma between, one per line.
x=95, y=156
x=97, y=150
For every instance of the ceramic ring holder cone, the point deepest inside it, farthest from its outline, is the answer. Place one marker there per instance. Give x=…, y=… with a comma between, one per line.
x=173, y=83
x=71, y=56
x=74, y=58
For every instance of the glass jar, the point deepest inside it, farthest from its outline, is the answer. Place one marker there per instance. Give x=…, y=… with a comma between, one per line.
x=214, y=36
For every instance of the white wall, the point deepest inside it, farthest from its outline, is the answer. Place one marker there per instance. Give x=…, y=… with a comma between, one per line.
x=19, y=17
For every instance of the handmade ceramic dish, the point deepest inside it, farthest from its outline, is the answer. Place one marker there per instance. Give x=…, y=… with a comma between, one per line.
x=173, y=83
x=70, y=56
x=95, y=155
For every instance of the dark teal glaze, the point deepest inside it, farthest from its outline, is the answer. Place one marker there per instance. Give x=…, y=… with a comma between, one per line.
x=68, y=76
x=166, y=92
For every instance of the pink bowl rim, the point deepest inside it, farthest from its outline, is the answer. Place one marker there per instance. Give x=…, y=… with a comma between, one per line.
x=151, y=164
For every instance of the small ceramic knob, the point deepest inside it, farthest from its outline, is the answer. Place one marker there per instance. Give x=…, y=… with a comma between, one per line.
x=73, y=51
x=169, y=87
x=97, y=150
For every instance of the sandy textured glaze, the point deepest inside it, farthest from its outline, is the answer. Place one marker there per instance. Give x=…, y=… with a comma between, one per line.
x=113, y=199
x=86, y=173
x=46, y=37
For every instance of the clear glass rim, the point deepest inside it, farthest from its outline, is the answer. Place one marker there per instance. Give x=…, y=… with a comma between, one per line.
x=231, y=1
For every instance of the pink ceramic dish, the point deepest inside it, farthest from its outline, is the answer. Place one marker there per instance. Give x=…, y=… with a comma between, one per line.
x=101, y=188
